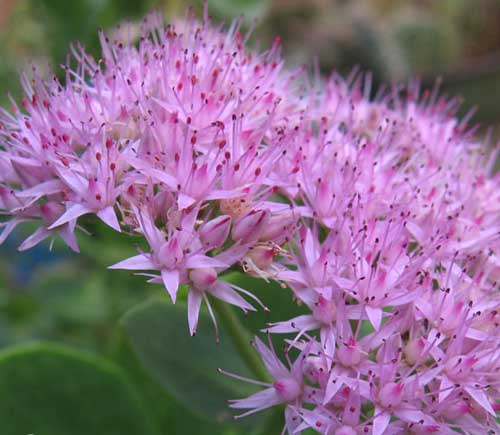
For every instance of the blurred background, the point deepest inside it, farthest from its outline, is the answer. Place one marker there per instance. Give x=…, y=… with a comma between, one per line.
x=73, y=299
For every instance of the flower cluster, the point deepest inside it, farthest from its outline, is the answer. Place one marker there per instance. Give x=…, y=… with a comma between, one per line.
x=381, y=215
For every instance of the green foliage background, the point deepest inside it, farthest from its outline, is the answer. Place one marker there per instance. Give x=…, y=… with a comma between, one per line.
x=142, y=369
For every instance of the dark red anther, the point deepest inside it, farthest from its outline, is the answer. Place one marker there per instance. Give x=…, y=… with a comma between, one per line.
x=98, y=156
x=109, y=143
x=112, y=166
x=258, y=171
x=193, y=140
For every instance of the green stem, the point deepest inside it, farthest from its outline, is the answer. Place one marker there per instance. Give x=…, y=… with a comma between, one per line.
x=240, y=338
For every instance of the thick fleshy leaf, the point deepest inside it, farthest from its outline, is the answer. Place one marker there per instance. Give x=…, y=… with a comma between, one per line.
x=58, y=391
x=185, y=366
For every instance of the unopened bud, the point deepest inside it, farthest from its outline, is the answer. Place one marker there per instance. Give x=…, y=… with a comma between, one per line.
x=214, y=233
x=203, y=279
x=262, y=256
x=249, y=227
x=391, y=395
x=413, y=350
x=349, y=354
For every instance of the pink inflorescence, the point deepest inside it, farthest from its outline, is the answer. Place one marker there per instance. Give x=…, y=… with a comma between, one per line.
x=382, y=216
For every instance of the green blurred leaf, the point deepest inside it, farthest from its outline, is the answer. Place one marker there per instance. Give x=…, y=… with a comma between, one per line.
x=53, y=390
x=250, y=9
x=185, y=366
x=171, y=416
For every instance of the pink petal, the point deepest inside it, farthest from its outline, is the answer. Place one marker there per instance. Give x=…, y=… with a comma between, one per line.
x=138, y=262
x=274, y=366
x=184, y=201
x=380, y=422
x=45, y=188
x=161, y=176
x=73, y=213
x=446, y=388
x=309, y=248
x=199, y=261
x=68, y=235
x=74, y=181
x=225, y=293
x=171, y=280
x=374, y=315
x=305, y=322
x=263, y=399
x=193, y=304
x=9, y=227
x=108, y=216
x=332, y=387
x=481, y=398
x=39, y=235
x=327, y=335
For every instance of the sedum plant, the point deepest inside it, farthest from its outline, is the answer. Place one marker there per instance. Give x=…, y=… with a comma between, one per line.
x=379, y=215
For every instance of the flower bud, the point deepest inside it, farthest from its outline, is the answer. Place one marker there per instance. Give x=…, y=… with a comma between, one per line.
x=456, y=409
x=316, y=369
x=214, y=233
x=203, y=279
x=413, y=350
x=348, y=354
x=278, y=227
x=287, y=389
x=262, y=256
x=325, y=311
x=249, y=227
x=391, y=395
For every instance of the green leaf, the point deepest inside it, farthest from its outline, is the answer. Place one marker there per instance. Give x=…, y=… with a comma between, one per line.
x=53, y=390
x=170, y=415
x=186, y=366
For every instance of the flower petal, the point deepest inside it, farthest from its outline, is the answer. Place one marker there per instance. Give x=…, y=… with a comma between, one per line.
x=171, y=280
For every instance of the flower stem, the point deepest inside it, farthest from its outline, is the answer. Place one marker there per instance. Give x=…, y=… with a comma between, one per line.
x=240, y=338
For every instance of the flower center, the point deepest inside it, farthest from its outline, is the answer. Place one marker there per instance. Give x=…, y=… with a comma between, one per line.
x=288, y=389
x=325, y=311
x=391, y=395
x=203, y=279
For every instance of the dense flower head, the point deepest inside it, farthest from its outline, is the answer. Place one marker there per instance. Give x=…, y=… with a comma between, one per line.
x=381, y=215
